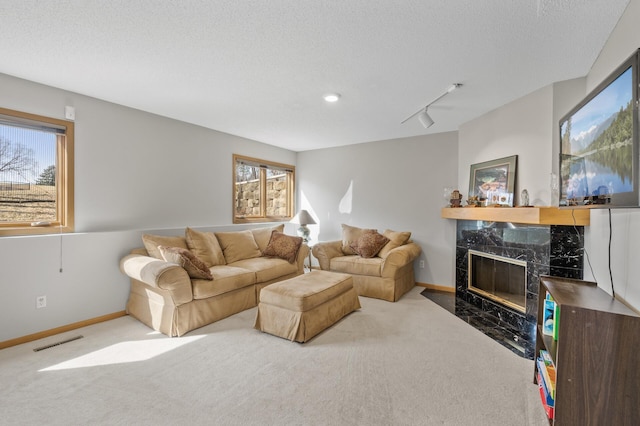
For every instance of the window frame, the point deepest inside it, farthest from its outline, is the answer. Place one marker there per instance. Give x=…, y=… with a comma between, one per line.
x=64, y=179
x=263, y=165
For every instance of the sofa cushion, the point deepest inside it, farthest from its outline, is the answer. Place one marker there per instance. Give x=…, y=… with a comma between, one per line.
x=396, y=239
x=267, y=268
x=357, y=265
x=151, y=243
x=369, y=244
x=225, y=279
x=350, y=235
x=190, y=262
x=238, y=245
x=283, y=246
x=263, y=235
x=205, y=245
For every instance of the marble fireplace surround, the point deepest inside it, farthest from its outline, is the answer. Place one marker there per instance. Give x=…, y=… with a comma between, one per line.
x=547, y=248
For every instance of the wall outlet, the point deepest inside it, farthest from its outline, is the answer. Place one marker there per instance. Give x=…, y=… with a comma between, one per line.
x=422, y=264
x=41, y=302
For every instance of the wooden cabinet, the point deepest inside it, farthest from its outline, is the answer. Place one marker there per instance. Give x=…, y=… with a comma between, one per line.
x=596, y=355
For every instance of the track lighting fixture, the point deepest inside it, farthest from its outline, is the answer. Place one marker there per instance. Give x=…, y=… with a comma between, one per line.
x=423, y=115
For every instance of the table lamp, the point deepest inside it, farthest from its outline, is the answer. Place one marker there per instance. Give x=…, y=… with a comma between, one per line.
x=303, y=218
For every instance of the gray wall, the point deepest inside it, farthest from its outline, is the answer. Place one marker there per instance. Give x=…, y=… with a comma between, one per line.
x=394, y=184
x=528, y=127
x=134, y=171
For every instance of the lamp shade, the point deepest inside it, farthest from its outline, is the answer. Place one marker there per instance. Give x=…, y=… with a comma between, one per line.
x=303, y=218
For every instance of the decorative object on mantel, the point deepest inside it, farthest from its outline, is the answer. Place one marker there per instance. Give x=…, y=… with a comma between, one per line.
x=524, y=198
x=456, y=199
x=493, y=181
x=473, y=201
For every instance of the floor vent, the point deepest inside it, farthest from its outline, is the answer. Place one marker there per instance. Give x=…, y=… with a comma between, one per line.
x=41, y=348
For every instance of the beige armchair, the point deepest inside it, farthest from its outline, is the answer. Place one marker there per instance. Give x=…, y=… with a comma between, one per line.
x=386, y=276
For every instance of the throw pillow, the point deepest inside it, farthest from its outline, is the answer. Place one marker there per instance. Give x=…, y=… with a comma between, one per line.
x=350, y=235
x=263, y=235
x=369, y=244
x=396, y=239
x=238, y=245
x=205, y=246
x=151, y=243
x=283, y=246
x=183, y=257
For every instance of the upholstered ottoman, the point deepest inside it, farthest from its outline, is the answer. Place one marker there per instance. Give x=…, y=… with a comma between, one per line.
x=301, y=307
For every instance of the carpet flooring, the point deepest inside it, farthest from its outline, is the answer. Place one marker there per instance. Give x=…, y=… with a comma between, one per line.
x=404, y=363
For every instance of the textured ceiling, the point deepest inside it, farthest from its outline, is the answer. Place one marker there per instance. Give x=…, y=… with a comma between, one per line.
x=258, y=68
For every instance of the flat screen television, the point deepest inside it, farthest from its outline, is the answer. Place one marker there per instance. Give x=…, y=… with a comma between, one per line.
x=599, y=144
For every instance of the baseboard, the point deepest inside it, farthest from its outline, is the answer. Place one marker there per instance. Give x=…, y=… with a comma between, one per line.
x=437, y=287
x=58, y=330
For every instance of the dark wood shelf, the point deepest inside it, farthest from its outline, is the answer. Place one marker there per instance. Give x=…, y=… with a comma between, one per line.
x=596, y=355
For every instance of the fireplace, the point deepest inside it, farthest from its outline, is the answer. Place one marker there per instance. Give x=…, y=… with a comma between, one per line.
x=525, y=251
x=498, y=278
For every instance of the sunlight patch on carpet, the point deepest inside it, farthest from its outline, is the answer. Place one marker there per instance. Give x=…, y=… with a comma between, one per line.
x=125, y=352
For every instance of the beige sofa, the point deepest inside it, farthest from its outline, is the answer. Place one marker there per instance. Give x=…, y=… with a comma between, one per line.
x=382, y=269
x=210, y=276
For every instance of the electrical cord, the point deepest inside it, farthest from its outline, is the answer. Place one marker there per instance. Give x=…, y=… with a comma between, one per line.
x=613, y=291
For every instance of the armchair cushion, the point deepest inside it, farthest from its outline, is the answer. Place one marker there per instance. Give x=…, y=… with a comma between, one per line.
x=205, y=246
x=151, y=243
x=283, y=246
x=190, y=262
x=238, y=245
x=396, y=239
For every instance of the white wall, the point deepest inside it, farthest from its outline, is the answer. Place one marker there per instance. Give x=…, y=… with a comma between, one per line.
x=523, y=128
x=395, y=184
x=134, y=171
x=625, y=245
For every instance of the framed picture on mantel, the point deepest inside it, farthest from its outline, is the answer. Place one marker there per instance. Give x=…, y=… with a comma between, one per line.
x=493, y=182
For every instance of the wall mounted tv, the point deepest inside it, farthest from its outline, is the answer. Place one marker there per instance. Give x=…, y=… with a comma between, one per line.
x=599, y=144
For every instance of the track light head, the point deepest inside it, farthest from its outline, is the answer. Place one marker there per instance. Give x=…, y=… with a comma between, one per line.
x=425, y=119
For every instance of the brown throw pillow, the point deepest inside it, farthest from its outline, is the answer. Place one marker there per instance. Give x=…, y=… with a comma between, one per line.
x=350, y=235
x=283, y=246
x=263, y=235
x=369, y=244
x=190, y=262
x=396, y=239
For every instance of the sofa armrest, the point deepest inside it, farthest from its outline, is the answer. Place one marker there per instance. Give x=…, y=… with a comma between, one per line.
x=399, y=257
x=303, y=253
x=326, y=251
x=159, y=274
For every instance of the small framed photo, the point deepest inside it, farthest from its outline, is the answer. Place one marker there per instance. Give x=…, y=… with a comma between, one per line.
x=494, y=181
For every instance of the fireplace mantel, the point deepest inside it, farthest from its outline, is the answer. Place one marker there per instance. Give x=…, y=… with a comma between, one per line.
x=527, y=215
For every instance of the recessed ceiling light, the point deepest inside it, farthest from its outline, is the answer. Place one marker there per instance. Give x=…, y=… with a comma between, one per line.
x=332, y=97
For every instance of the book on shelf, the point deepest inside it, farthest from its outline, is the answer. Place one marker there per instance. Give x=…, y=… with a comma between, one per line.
x=546, y=357
x=556, y=321
x=544, y=392
x=548, y=375
x=549, y=410
x=548, y=313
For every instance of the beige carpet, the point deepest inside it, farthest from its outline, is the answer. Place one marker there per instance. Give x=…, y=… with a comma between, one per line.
x=404, y=363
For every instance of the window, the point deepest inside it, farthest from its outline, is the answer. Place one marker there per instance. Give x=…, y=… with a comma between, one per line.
x=262, y=190
x=36, y=174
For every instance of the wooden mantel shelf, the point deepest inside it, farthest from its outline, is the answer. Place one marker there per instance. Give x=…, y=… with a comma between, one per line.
x=526, y=215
